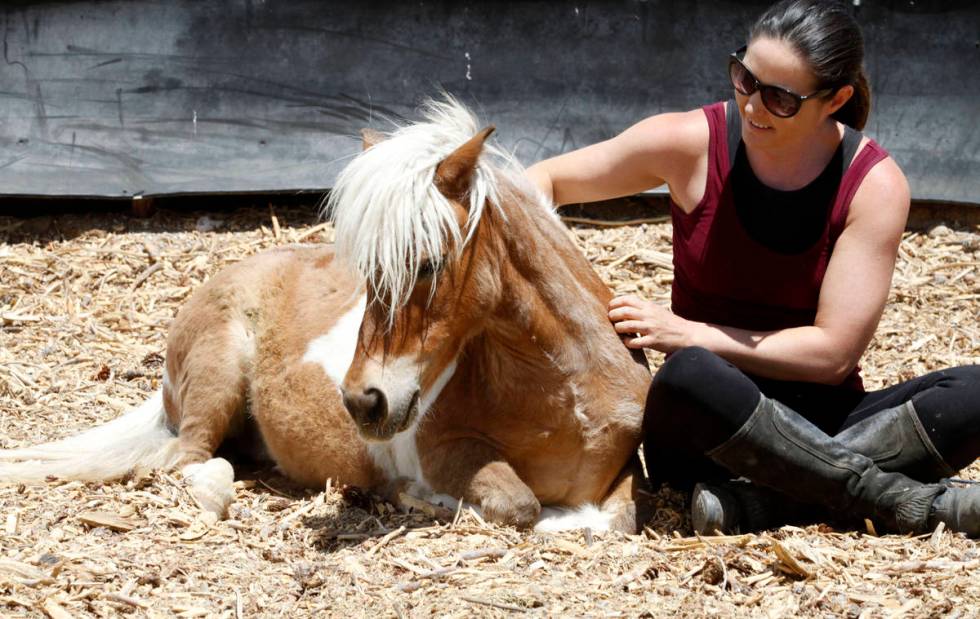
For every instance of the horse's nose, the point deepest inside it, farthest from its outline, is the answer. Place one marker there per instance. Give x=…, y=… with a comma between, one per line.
x=367, y=407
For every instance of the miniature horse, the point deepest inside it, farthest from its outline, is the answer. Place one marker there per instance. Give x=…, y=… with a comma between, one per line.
x=455, y=344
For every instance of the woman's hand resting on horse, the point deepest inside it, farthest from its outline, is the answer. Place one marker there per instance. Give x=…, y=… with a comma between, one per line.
x=645, y=324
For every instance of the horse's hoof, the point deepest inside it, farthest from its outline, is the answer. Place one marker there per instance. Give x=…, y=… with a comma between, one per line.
x=211, y=483
x=625, y=520
x=520, y=512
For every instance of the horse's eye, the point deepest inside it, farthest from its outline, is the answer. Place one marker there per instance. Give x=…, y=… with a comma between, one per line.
x=427, y=269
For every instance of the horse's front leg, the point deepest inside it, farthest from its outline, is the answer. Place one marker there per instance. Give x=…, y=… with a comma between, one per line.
x=477, y=473
x=629, y=499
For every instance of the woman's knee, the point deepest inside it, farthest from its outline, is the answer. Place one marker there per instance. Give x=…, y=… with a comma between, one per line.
x=950, y=414
x=687, y=370
x=955, y=394
x=965, y=379
x=696, y=391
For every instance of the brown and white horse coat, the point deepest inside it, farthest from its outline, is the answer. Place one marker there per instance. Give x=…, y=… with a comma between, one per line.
x=458, y=345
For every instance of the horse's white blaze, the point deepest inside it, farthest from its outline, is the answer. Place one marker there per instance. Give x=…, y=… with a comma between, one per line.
x=334, y=351
x=397, y=377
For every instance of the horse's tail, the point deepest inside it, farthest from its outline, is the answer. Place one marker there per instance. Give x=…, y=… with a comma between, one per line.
x=138, y=441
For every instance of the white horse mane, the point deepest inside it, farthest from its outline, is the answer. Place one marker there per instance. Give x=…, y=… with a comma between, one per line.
x=389, y=216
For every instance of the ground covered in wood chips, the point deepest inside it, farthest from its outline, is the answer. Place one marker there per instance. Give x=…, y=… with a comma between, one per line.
x=85, y=302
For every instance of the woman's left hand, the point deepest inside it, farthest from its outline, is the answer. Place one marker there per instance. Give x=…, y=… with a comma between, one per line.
x=648, y=325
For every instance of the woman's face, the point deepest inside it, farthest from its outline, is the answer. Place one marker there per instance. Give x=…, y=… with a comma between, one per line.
x=776, y=62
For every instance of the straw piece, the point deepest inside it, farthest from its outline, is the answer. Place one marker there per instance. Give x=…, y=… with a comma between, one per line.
x=107, y=520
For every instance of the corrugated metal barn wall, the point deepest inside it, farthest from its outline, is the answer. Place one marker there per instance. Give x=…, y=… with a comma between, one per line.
x=125, y=97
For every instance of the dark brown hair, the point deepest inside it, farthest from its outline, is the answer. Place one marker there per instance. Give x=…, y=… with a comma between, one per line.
x=828, y=38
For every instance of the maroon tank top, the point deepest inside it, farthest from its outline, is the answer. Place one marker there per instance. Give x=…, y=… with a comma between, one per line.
x=723, y=276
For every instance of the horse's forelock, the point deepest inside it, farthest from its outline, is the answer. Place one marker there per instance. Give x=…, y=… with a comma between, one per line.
x=388, y=214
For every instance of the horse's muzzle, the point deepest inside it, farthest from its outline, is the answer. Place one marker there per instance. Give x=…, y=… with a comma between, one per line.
x=374, y=418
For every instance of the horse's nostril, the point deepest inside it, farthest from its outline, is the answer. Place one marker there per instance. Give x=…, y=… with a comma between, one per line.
x=379, y=410
x=371, y=406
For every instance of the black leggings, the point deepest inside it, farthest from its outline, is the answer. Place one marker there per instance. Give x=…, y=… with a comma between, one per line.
x=698, y=400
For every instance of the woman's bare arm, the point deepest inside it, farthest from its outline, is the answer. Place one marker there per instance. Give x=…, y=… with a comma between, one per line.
x=656, y=150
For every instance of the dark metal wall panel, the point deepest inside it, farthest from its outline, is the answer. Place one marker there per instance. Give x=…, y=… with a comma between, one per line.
x=116, y=98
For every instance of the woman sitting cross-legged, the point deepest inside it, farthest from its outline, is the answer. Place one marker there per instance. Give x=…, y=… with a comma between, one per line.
x=787, y=222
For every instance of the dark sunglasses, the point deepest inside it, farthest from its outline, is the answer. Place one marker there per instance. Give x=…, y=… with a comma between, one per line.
x=779, y=101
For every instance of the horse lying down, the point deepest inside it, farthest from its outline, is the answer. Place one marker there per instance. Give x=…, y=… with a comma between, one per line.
x=455, y=342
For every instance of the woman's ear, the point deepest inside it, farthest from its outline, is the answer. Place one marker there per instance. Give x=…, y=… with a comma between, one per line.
x=842, y=96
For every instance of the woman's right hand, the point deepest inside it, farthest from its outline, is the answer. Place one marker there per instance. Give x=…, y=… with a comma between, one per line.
x=645, y=324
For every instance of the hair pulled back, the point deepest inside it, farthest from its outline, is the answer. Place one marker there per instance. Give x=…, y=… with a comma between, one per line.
x=828, y=38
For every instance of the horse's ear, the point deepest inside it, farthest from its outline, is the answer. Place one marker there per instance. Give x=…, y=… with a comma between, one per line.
x=454, y=172
x=370, y=137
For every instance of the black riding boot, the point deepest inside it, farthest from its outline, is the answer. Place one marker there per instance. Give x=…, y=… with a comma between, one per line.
x=893, y=438
x=779, y=449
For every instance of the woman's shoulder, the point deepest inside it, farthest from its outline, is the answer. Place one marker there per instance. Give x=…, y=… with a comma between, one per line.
x=883, y=196
x=673, y=145
x=881, y=174
x=680, y=131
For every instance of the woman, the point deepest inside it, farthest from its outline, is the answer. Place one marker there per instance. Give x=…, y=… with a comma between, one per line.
x=787, y=223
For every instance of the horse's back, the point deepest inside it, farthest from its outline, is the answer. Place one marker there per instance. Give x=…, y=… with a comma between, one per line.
x=239, y=354
x=223, y=317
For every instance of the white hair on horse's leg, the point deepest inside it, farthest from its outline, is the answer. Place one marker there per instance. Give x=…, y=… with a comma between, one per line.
x=138, y=440
x=388, y=214
x=212, y=484
x=588, y=516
